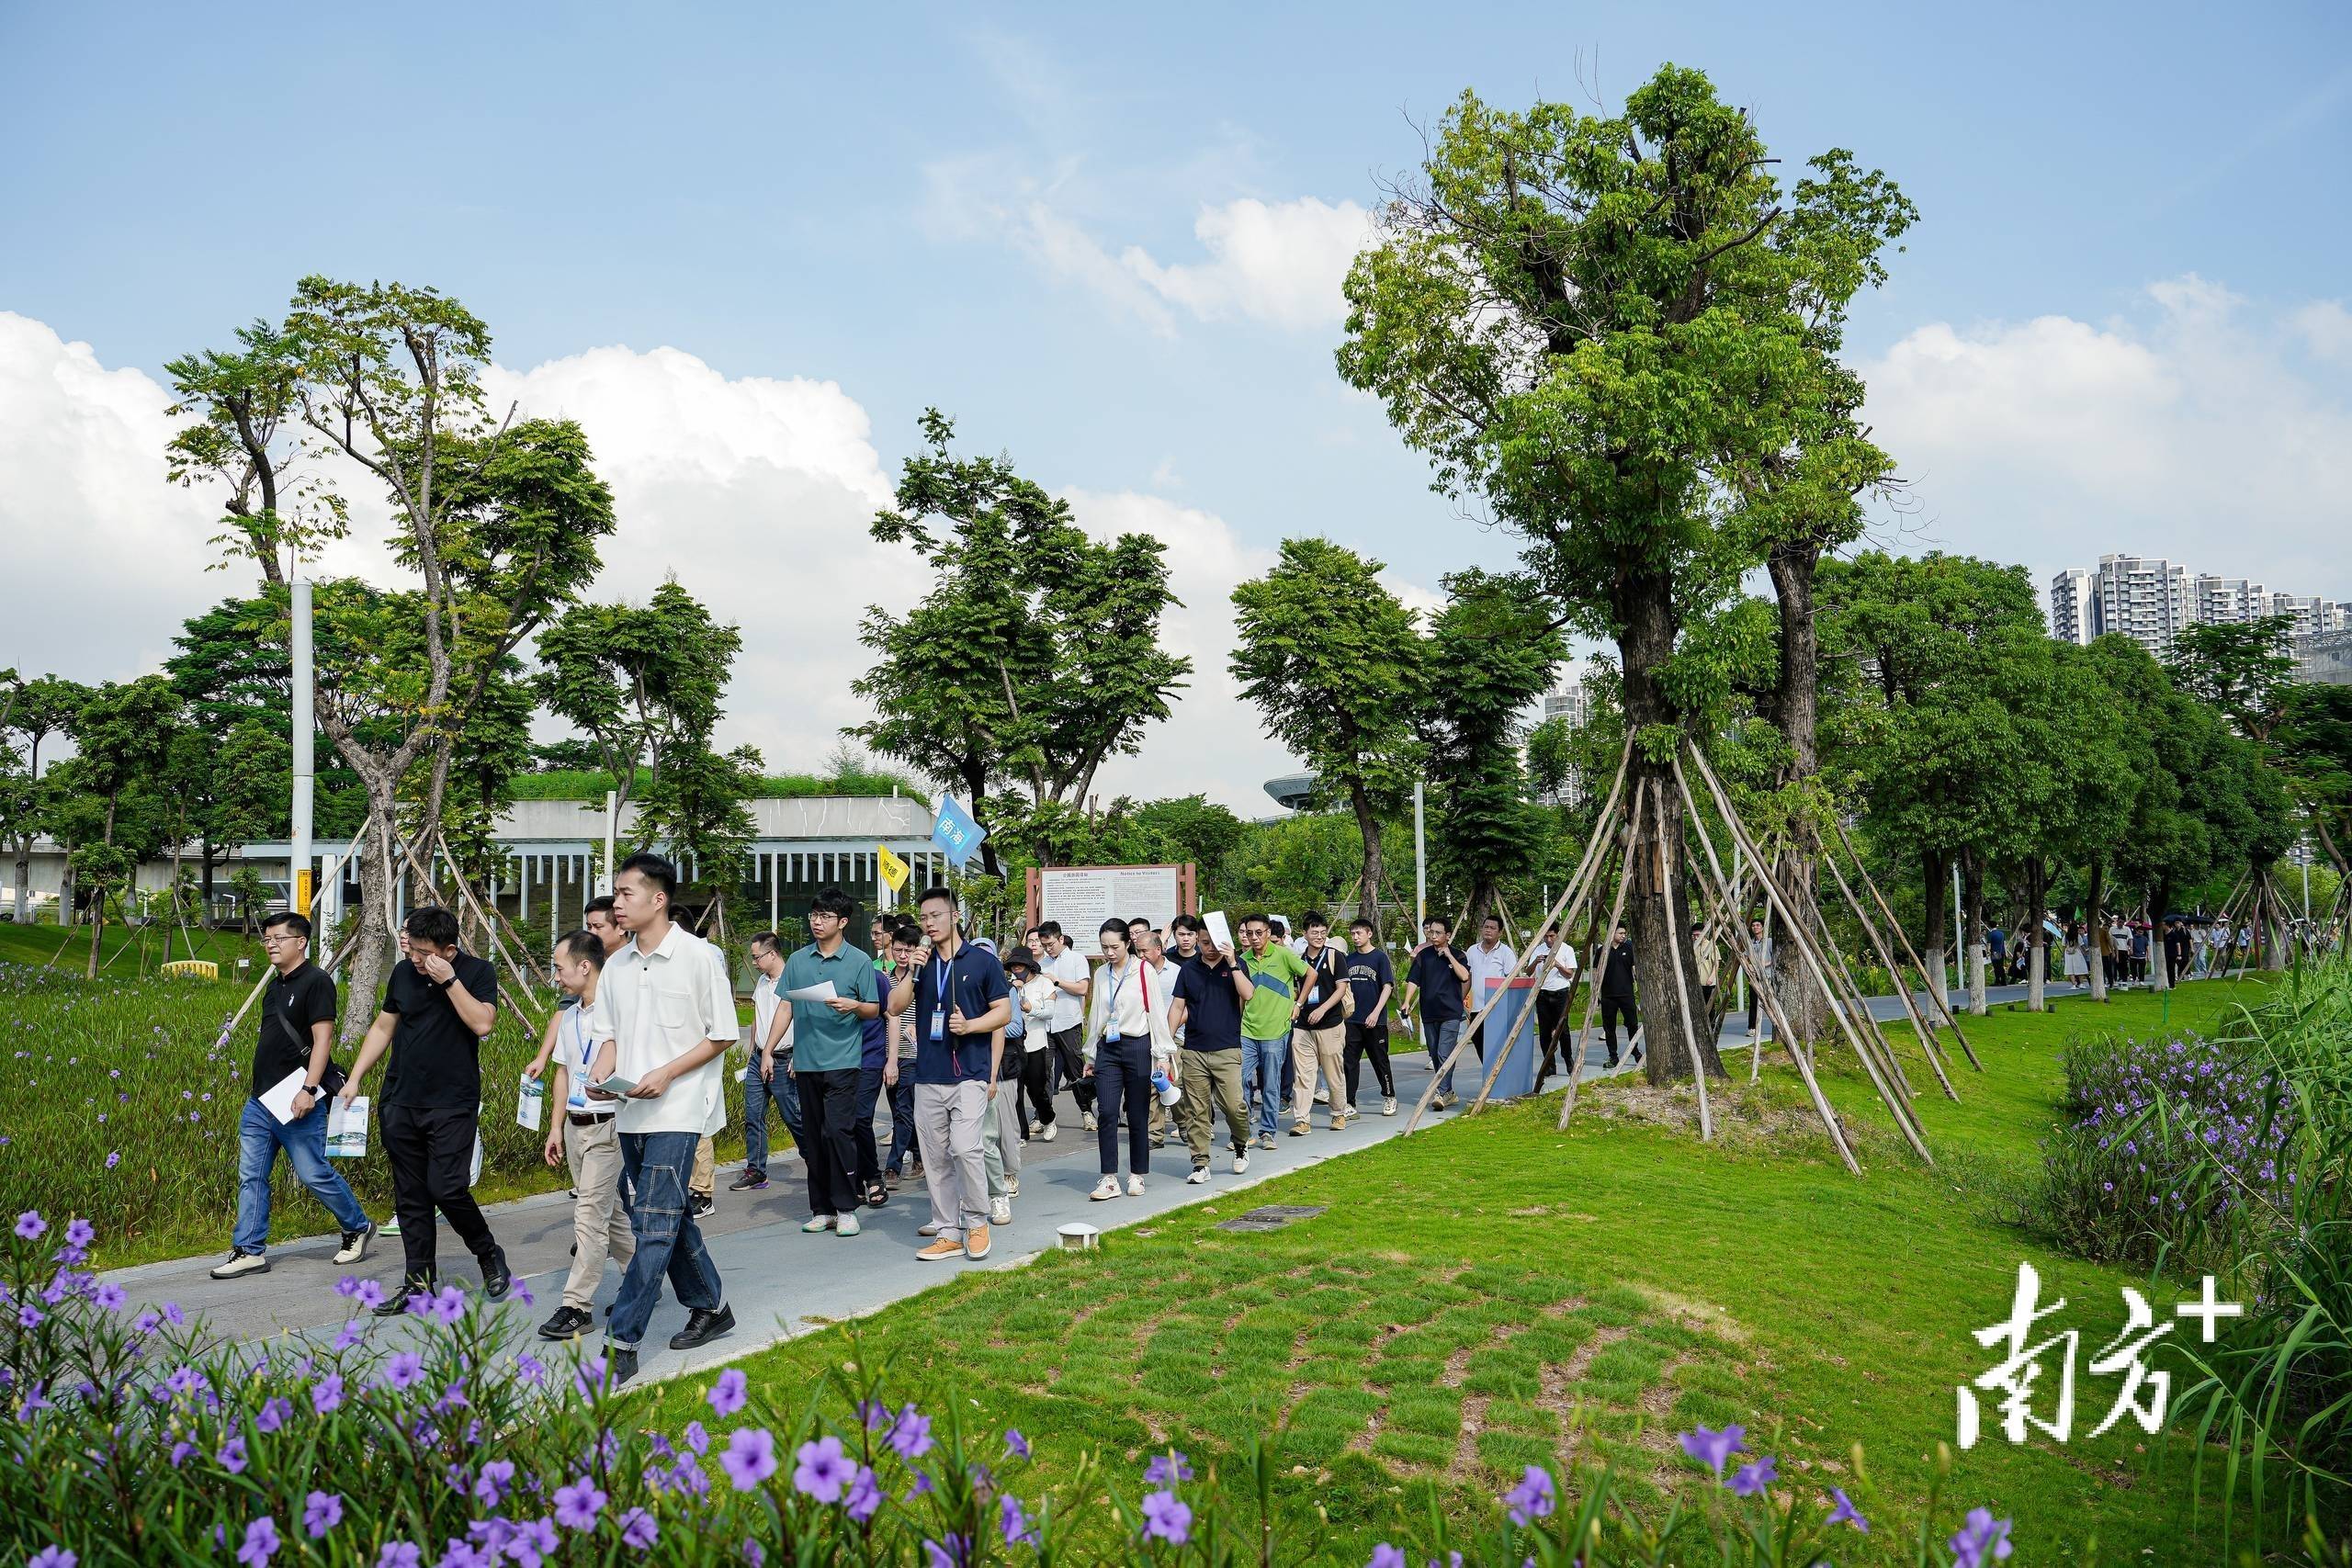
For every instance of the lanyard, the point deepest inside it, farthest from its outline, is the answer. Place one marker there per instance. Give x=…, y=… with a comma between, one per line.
x=1111, y=1003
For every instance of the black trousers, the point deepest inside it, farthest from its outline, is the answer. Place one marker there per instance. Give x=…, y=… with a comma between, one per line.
x=1549, y=1006
x=1615, y=1011
x=829, y=1119
x=869, y=1152
x=1070, y=1055
x=431, y=1152
x=1368, y=1040
x=1036, y=1086
x=1123, y=1081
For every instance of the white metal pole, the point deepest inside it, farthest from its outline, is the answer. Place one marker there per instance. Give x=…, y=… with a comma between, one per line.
x=1959, y=937
x=1420, y=864
x=299, y=869
x=612, y=810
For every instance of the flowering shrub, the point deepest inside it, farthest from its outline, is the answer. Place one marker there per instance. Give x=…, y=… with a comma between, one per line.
x=432, y=1441
x=2165, y=1143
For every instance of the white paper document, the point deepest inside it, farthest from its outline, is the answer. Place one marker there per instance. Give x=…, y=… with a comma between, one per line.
x=348, y=1129
x=822, y=991
x=1219, y=932
x=615, y=1085
x=278, y=1098
x=530, y=1105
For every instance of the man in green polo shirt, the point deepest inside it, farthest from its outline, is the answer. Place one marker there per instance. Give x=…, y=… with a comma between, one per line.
x=1274, y=971
x=828, y=1044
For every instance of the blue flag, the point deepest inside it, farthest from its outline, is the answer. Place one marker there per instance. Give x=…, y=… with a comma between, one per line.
x=955, y=832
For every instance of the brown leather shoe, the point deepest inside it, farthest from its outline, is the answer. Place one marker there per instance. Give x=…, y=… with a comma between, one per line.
x=941, y=1250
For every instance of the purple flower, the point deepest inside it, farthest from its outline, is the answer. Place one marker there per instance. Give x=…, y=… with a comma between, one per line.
x=405, y=1370
x=953, y=1552
x=532, y=1540
x=1753, y=1478
x=729, y=1394
x=1386, y=1556
x=577, y=1505
x=326, y=1394
x=1846, y=1514
x=52, y=1557
x=874, y=1413
x=1713, y=1449
x=232, y=1457
x=864, y=1496
x=273, y=1414
x=1532, y=1497
x=749, y=1458
x=1167, y=1518
x=911, y=1433
x=350, y=1333
x=173, y=1315
x=113, y=1159
x=400, y=1554
x=1982, y=1539
x=448, y=1305
x=80, y=1233
x=367, y=1292
x=261, y=1542
x=491, y=1484
x=696, y=1438
x=30, y=1224
x=1166, y=1470
x=1014, y=1522
x=144, y=1323
x=322, y=1511
x=639, y=1532
x=1015, y=1444
x=751, y=1552
x=29, y=1316
x=823, y=1469
x=534, y=1370
x=109, y=1296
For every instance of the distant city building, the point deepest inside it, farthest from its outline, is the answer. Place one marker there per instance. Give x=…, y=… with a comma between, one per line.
x=1292, y=790
x=2325, y=657
x=1572, y=702
x=2152, y=601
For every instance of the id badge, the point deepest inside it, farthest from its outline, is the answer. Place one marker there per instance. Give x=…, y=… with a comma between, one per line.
x=938, y=1025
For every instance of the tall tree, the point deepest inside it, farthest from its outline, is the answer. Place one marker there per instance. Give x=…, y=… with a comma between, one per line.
x=1332, y=660
x=1588, y=324
x=122, y=737
x=30, y=711
x=1035, y=655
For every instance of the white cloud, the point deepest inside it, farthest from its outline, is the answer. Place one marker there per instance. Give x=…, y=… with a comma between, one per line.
x=2326, y=327
x=2187, y=429
x=1281, y=263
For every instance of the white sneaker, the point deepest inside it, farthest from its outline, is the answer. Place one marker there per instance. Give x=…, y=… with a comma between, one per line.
x=1090, y=1123
x=1240, y=1162
x=845, y=1225
x=1107, y=1187
x=1013, y=1186
x=1200, y=1174
x=241, y=1263
x=1036, y=1128
x=1000, y=1211
x=821, y=1223
x=1134, y=1186
x=390, y=1227
x=1053, y=1130
x=1322, y=1097
x=1388, y=1105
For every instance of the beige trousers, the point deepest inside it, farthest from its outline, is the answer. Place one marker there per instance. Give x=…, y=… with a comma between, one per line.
x=599, y=1224
x=1200, y=1074
x=1310, y=1049
x=705, y=1176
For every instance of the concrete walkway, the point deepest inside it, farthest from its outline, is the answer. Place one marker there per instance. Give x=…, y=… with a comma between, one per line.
x=780, y=1281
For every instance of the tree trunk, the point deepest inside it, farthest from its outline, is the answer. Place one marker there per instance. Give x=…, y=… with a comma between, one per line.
x=22, y=909
x=2094, y=928
x=65, y=889
x=1645, y=613
x=2159, y=959
x=1934, y=929
x=205, y=845
x=1972, y=893
x=98, y=911
x=2038, y=950
x=1795, y=712
x=1368, y=884
x=371, y=933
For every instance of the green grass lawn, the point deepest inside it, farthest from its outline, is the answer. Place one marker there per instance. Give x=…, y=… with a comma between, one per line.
x=1490, y=1292
x=122, y=948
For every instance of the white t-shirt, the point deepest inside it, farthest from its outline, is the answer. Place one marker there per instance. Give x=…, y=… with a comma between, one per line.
x=1036, y=1000
x=576, y=1038
x=656, y=1006
x=765, y=1001
x=1068, y=1009
x=1562, y=969
x=1486, y=966
x=1163, y=991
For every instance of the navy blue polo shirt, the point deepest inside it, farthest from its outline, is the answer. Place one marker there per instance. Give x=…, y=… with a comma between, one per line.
x=972, y=981
x=1212, y=1005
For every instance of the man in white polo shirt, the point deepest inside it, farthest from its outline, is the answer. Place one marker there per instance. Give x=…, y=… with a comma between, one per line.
x=1491, y=963
x=665, y=1013
x=1073, y=978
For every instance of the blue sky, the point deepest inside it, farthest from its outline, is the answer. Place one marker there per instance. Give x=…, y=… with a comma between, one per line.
x=1004, y=216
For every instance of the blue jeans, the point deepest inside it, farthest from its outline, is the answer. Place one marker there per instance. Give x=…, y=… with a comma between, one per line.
x=759, y=1093
x=1440, y=1038
x=1265, y=1072
x=902, y=1118
x=668, y=1244
x=259, y=1137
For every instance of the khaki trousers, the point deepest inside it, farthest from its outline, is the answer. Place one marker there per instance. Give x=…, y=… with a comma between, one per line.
x=599, y=1225
x=948, y=1117
x=1200, y=1074
x=705, y=1176
x=1312, y=1048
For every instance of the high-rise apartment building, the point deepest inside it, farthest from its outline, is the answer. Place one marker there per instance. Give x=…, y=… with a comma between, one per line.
x=2072, y=607
x=2151, y=601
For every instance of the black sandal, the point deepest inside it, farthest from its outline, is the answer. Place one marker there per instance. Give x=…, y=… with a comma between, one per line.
x=876, y=1195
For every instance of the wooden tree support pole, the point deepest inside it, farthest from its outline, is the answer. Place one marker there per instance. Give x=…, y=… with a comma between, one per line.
x=1895, y=1104
x=1673, y=894
x=1632, y=830
x=1933, y=988
x=1878, y=942
x=1469, y=1029
x=494, y=919
x=1765, y=996
x=424, y=877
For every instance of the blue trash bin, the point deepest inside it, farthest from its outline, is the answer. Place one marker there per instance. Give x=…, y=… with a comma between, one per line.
x=1512, y=1020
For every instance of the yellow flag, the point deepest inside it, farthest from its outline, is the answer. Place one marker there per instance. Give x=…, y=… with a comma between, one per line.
x=894, y=871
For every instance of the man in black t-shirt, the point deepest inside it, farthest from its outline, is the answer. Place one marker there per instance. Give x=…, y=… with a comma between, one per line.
x=1617, y=995
x=1373, y=980
x=297, y=1036
x=439, y=1006
x=1436, y=977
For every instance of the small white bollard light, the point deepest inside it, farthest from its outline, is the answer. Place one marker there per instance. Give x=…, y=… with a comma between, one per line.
x=1078, y=1236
